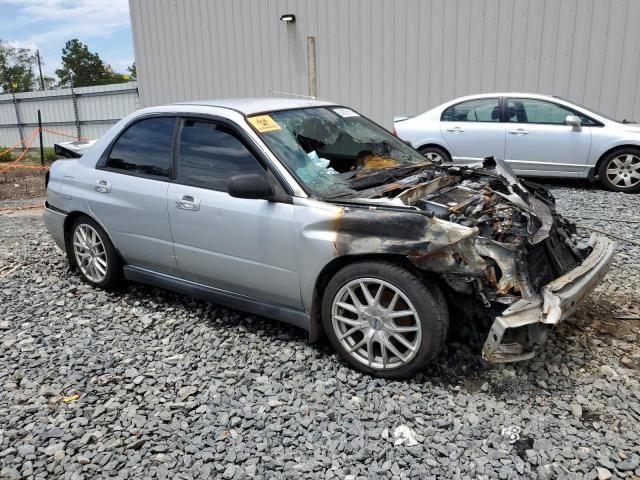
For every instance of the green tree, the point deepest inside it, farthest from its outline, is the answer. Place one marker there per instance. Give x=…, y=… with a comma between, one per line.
x=80, y=67
x=133, y=74
x=16, y=68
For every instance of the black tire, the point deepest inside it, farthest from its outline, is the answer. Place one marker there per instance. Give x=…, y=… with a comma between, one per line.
x=428, y=301
x=431, y=152
x=615, y=161
x=113, y=277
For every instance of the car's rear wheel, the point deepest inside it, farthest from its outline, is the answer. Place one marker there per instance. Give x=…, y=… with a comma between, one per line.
x=383, y=320
x=435, y=154
x=94, y=254
x=620, y=170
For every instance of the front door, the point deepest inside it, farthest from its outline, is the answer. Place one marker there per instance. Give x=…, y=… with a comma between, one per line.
x=244, y=246
x=539, y=142
x=128, y=195
x=473, y=130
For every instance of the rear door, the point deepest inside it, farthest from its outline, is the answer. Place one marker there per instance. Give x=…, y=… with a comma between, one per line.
x=128, y=194
x=473, y=130
x=245, y=246
x=540, y=143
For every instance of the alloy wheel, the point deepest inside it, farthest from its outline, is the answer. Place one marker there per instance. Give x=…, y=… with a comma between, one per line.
x=623, y=171
x=376, y=323
x=433, y=157
x=90, y=253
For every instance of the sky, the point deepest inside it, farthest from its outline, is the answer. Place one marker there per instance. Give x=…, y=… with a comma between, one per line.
x=104, y=25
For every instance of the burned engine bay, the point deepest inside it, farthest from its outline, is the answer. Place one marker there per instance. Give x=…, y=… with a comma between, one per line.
x=485, y=233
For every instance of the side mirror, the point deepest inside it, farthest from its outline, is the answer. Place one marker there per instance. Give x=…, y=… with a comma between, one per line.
x=573, y=121
x=250, y=185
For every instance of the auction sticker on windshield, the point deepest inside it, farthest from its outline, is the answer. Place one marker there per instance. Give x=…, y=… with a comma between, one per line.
x=345, y=112
x=264, y=123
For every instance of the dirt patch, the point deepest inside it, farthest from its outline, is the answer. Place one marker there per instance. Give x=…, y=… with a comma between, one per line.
x=607, y=318
x=15, y=185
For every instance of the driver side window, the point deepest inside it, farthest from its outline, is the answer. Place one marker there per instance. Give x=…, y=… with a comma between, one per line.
x=210, y=154
x=523, y=110
x=528, y=110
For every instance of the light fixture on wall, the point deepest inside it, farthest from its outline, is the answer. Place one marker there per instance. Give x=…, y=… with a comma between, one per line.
x=288, y=18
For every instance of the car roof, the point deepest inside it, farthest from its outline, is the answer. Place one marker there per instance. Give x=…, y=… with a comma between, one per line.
x=250, y=106
x=507, y=94
x=476, y=96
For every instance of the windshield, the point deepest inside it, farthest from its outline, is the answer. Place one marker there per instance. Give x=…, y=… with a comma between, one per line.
x=596, y=112
x=334, y=151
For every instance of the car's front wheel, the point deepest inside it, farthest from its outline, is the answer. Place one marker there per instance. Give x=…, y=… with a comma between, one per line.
x=383, y=320
x=620, y=171
x=94, y=255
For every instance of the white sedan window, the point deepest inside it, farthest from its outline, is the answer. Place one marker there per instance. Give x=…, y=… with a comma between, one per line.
x=523, y=110
x=480, y=110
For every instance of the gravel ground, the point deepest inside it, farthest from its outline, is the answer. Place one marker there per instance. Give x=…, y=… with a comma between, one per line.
x=173, y=387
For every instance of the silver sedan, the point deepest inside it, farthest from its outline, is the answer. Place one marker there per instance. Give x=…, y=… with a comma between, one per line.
x=538, y=135
x=309, y=213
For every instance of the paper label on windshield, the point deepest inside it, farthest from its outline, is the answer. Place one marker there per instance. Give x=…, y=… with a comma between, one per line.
x=264, y=123
x=345, y=112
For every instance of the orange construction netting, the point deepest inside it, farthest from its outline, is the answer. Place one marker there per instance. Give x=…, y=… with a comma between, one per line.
x=26, y=143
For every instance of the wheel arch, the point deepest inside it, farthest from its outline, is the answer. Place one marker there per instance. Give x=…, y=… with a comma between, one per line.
x=316, y=331
x=436, y=145
x=68, y=223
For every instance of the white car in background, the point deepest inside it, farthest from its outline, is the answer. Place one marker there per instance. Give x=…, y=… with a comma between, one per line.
x=539, y=135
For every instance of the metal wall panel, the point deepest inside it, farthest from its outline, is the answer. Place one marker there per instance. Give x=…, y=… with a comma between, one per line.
x=7, y=113
x=98, y=109
x=387, y=58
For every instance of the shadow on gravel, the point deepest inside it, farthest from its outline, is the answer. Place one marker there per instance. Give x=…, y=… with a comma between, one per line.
x=567, y=182
x=458, y=363
x=459, y=366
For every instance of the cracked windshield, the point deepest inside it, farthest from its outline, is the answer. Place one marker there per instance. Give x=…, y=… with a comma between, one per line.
x=334, y=151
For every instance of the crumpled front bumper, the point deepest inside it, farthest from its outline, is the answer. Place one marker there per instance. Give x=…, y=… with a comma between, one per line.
x=533, y=317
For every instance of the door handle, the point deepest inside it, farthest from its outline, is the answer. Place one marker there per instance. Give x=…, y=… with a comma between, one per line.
x=519, y=131
x=103, y=186
x=188, y=202
x=455, y=130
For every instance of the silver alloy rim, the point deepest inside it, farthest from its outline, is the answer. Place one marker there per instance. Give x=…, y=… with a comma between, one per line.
x=623, y=171
x=376, y=323
x=90, y=253
x=433, y=157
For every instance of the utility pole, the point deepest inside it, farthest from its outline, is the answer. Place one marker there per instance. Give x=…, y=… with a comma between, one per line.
x=41, y=145
x=40, y=69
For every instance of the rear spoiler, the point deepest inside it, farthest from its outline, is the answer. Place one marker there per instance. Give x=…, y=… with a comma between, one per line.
x=73, y=149
x=400, y=119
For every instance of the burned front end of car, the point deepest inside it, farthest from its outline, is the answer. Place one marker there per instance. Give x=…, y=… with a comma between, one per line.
x=496, y=242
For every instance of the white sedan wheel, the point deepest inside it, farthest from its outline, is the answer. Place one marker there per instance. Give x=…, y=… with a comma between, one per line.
x=623, y=171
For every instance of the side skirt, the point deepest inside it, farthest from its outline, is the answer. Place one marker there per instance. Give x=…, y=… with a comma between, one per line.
x=298, y=318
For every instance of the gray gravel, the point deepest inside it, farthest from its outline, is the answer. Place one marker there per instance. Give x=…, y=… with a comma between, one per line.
x=174, y=387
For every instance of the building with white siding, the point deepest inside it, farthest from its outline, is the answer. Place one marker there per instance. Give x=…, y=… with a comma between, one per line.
x=389, y=57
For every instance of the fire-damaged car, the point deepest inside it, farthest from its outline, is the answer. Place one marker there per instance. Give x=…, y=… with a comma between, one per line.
x=309, y=213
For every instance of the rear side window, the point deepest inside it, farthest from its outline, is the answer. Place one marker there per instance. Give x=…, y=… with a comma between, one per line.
x=480, y=110
x=210, y=154
x=144, y=148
